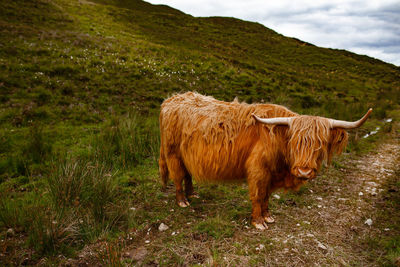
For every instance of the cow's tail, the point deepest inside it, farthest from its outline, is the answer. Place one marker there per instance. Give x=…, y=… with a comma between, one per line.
x=163, y=169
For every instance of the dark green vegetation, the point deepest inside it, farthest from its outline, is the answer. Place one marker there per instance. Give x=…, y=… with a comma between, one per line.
x=81, y=83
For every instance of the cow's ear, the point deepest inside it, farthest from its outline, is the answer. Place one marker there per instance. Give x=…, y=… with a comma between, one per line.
x=337, y=142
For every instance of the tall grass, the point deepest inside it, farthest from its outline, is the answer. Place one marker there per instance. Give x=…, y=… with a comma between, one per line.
x=127, y=141
x=50, y=233
x=112, y=255
x=90, y=191
x=12, y=211
x=82, y=200
x=47, y=232
x=77, y=182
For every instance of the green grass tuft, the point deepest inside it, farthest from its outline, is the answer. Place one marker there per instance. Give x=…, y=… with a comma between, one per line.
x=215, y=227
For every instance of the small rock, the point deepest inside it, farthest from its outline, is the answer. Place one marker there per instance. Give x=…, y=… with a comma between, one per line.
x=368, y=222
x=173, y=233
x=343, y=263
x=260, y=247
x=10, y=232
x=386, y=229
x=276, y=196
x=147, y=241
x=361, y=194
x=322, y=246
x=162, y=227
x=132, y=208
x=318, y=198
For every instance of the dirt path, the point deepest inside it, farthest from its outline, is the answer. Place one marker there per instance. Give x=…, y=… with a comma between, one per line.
x=333, y=227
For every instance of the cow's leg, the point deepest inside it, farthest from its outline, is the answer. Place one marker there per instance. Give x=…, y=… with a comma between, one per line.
x=190, y=193
x=181, y=200
x=177, y=173
x=258, y=191
x=265, y=210
x=163, y=168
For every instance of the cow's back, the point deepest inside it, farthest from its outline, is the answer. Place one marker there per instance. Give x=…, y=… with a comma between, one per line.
x=213, y=138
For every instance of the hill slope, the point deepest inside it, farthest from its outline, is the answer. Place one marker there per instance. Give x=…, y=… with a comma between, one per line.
x=108, y=53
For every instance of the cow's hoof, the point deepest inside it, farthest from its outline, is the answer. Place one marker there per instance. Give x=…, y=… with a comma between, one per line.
x=183, y=203
x=269, y=219
x=260, y=226
x=194, y=195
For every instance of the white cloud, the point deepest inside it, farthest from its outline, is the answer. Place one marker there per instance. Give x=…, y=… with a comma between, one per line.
x=370, y=27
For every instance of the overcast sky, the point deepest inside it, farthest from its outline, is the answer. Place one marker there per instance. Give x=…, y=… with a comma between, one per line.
x=367, y=27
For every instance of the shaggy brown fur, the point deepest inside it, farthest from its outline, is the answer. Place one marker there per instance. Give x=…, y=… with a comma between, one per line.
x=212, y=140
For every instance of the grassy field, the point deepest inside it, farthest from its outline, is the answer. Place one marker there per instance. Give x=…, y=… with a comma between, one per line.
x=81, y=83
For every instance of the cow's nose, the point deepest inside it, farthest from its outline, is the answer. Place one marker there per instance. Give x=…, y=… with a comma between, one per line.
x=304, y=172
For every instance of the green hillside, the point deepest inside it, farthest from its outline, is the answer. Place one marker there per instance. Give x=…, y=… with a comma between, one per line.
x=81, y=83
x=120, y=53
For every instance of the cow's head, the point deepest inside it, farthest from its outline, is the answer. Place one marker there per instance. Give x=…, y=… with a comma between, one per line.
x=311, y=140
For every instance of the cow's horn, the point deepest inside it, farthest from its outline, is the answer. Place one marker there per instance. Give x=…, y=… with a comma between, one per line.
x=350, y=124
x=274, y=121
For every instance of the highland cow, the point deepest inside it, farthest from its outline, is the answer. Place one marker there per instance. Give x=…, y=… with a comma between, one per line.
x=269, y=145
